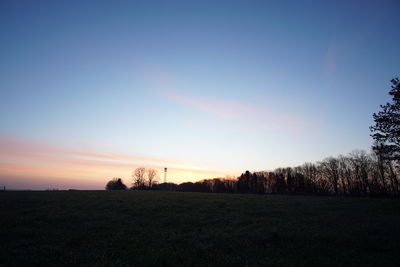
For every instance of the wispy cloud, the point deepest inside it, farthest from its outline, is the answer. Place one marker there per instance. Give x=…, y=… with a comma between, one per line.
x=222, y=109
x=170, y=87
x=30, y=159
x=265, y=118
x=36, y=151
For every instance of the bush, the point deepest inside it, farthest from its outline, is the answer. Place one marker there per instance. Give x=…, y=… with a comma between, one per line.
x=116, y=184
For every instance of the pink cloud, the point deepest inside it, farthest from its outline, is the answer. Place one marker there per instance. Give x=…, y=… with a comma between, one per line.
x=167, y=85
x=30, y=159
x=267, y=119
x=223, y=109
x=16, y=148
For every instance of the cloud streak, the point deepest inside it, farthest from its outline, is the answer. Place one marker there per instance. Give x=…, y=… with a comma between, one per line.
x=167, y=86
x=35, y=160
x=267, y=119
x=35, y=151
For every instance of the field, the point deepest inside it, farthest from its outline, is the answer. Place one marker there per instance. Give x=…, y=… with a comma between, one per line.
x=138, y=228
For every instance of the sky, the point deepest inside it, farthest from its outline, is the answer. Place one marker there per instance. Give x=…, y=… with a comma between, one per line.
x=91, y=90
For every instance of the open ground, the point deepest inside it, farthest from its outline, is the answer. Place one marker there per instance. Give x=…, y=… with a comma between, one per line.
x=143, y=228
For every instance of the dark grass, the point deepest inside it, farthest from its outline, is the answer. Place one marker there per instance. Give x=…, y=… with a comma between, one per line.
x=99, y=228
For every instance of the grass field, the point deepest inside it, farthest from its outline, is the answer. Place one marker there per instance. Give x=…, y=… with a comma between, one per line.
x=100, y=228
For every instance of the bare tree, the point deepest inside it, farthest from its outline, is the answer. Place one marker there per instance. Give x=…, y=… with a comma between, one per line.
x=152, y=177
x=361, y=164
x=331, y=168
x=138, y=177
x=345, y=174
x=309, y=170
x=378, y=150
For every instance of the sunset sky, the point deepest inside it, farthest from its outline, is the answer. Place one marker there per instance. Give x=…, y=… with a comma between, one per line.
x=90, y=90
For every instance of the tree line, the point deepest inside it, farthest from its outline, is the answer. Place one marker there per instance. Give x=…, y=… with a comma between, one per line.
x=358, y=174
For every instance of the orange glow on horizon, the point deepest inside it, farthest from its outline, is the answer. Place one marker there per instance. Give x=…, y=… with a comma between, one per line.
x=47, y=166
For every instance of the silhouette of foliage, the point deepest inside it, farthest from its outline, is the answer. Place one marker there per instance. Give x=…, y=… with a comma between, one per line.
x=116, y=184
x=386, y=130
x=358, y=174
x=166, y=187
x=386, y=134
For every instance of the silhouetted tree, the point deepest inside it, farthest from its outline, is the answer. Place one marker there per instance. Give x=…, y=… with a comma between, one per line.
x=330, y=167
x=260, y=182
x=243, y=183
x=280, y=181
x=152, y=177
x=230, y=183
x=385, y=163
x=289, y=180
x=360, y=162
x=116, y=184
x=300, y=182
x=378, y=149
x=309, y=170
x=138, y=177
x=386, y=130
x=219, y=186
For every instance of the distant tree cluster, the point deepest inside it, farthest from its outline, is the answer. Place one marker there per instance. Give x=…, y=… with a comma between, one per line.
x=357, y=174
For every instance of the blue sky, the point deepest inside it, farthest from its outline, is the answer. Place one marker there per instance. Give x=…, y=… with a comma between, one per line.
x=220, y=86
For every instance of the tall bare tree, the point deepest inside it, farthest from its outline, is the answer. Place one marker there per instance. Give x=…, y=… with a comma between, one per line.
x=361, y=164
x=331, y=167
x=152, y=177
x=345, y=174
x=138, y=177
